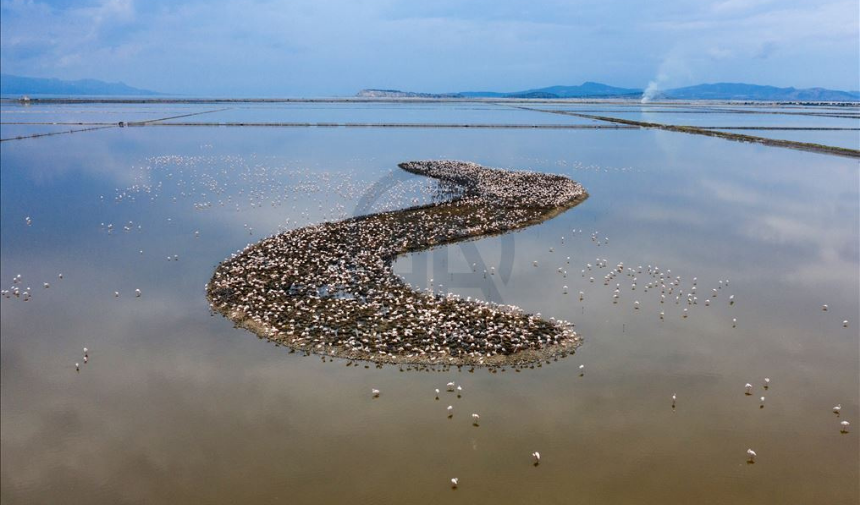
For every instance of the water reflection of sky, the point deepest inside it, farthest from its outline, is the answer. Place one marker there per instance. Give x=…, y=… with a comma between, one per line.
x=177, y=406
x=838, y=138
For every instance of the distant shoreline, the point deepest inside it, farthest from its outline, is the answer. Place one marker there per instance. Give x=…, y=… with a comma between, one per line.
x=619, y=101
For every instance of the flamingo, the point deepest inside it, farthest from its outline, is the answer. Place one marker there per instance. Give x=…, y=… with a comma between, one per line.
x=751, y=453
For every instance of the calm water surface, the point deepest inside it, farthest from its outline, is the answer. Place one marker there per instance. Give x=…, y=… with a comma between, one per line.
x=837, y=138
x=175, y=405
x=729, y=120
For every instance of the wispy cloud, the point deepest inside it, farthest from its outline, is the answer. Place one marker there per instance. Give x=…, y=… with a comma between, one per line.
x=311, y=47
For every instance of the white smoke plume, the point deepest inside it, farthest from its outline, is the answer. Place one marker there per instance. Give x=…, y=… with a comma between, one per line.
x=652, y=89
x=674, y=67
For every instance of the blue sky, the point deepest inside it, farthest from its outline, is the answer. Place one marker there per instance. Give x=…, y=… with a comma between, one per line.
x=324, y=48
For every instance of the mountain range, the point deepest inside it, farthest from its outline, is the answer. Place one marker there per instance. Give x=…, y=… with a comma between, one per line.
x=12, y=85
x=718, y=91
x=586, y=89
x=16, y=85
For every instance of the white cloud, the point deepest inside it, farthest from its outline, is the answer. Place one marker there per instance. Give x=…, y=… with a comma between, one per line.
x=307, y=47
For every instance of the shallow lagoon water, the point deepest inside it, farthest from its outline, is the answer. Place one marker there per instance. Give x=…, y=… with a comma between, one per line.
x=837, y=138
x=175, y=405
x=413, y=113
x=15, y=112
x=706, y=118
x=15, y=131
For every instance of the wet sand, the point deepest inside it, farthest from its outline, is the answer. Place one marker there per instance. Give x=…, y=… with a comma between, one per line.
x=329, y=289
